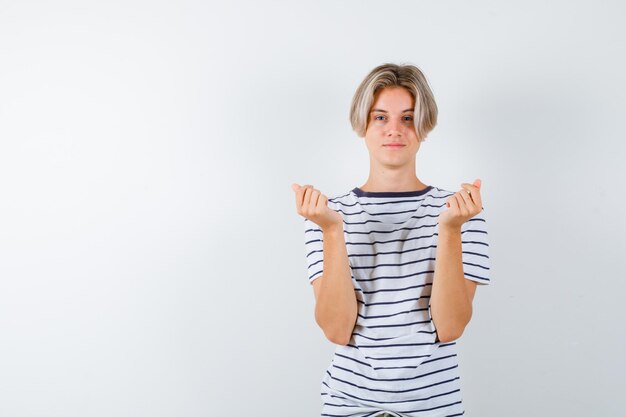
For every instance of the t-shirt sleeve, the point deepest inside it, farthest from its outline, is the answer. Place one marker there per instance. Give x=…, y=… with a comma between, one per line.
x=313, y=244
x=475, y=248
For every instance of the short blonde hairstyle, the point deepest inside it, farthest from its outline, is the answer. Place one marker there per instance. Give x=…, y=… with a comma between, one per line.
x=392, y=75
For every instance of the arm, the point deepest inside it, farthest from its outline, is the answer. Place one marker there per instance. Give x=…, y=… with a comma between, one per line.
x=451, y=294
x=335, y=302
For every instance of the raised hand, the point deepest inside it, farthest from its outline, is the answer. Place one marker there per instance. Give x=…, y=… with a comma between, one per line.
x=313, y=205
x=462, y=206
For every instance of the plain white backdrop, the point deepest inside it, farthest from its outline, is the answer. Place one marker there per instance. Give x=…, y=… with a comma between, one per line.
x=152, y=262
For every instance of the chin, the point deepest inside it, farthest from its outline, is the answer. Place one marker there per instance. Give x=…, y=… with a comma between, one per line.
x=393, y=162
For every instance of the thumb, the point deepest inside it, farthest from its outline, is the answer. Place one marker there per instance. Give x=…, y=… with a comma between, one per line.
x=477, y=182
x=295, y=187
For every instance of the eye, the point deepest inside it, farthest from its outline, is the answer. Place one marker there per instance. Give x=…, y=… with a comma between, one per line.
x=377, y=117
x=408, y=118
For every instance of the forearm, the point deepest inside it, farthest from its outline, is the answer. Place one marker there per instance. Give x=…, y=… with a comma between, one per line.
x=451, y=308
x=336, y=306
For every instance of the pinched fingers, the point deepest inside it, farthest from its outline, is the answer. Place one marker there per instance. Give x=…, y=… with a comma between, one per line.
x=458, y=204
x=474, y=194
x=453, y=204
x=301, y=195
x=459, y=208
x=322, y=204
x=311, y=203
x=467, y=205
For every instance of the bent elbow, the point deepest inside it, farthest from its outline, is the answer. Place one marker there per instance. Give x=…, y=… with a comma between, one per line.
x=449, y=335
x=339, y=340
x=335, y=331
x=338, y=336
x=450, y=331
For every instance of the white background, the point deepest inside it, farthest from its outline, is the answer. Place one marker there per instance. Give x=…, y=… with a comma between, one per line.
x=152, y=262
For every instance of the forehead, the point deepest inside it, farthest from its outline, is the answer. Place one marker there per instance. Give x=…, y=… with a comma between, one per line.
x=393, y=99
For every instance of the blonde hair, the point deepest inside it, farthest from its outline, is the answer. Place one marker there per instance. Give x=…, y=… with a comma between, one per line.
x=392, y=75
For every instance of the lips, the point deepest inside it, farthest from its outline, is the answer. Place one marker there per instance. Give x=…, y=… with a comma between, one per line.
x=394, y=145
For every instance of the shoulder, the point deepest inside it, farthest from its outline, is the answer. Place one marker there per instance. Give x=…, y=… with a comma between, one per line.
x=337, y=201
x=439, y=196
x=440, y=192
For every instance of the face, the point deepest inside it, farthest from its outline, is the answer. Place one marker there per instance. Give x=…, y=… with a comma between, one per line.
x=391, y=121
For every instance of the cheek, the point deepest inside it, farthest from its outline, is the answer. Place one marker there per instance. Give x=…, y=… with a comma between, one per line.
x=409, y=127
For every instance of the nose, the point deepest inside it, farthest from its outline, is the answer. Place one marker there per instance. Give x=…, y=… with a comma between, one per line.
x=394, y=128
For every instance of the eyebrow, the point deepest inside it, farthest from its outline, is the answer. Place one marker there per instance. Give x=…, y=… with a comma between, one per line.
x=385, y=111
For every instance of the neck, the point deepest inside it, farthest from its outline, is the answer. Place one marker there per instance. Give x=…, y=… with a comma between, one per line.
x=392, y=179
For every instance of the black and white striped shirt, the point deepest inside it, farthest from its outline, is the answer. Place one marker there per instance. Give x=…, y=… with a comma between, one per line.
x=393, y=363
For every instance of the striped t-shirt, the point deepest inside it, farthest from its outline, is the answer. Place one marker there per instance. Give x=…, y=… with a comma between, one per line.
x=393, y=362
